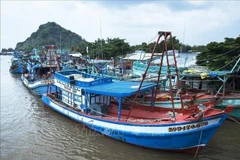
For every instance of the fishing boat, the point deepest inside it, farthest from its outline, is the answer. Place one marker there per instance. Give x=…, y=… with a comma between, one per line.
x=17, y=66
x=88, y=99
x=230, y=99
x=139, y=68
x=224, y=82
x=98, y=63
x=116, y=71
x=41, y=74
x=163, y=100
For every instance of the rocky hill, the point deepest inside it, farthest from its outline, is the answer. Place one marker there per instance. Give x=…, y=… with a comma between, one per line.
x=50, y=34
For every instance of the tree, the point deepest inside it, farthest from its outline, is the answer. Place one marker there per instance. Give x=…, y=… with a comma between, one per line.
x=220, y=56
x=10, y=50
x=4, y=50
x=106, y=49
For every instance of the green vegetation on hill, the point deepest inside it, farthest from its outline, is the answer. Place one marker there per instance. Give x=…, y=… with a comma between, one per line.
x=50, y=34
x=214, y=55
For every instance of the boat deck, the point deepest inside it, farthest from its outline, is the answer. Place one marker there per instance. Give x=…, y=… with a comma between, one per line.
x=145, y=114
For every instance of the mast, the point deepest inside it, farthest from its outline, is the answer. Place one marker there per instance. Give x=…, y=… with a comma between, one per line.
x=169, y=74
x=60, y=43
x=237, y=67
x=101, y=37
x=50, y=58
x=186, y=58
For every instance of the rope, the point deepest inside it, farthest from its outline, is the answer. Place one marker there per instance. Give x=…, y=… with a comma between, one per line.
x=152, y=39
x=233, y=119
x=200, y=138
x=229, y=116
x=148, y=43
x=228, y=63
x=220, y=54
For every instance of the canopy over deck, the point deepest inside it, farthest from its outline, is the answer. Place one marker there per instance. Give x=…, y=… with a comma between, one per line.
x=119, y=89
x=104, y=86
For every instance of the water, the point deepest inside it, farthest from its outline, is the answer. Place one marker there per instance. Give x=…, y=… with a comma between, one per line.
x=31, y=131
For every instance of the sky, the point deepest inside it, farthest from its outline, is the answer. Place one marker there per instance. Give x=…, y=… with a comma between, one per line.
x=193, y=22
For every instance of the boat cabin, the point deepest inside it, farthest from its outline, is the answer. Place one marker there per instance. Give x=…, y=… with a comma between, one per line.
x=92, y=94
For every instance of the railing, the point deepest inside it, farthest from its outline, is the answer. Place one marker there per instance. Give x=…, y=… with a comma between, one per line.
x=61, y=76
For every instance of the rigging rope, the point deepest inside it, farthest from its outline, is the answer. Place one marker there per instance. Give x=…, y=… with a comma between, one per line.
x=227, y=63
x=148, y=43
x=152, y=39
x=220, y=54
x=233, y=119
x=200, y=137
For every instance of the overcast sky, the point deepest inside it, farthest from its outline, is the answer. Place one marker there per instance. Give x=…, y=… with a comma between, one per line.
x=192, y=22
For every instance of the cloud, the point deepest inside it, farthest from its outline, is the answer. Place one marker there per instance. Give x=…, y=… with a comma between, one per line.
x=197, y=2
x=137, y=23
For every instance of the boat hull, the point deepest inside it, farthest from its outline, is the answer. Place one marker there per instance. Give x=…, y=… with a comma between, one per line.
x=173, y=137
x=17, y=70
x=39, y=87
x=231, y=101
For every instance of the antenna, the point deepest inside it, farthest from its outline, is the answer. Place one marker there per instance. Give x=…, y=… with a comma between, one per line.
x=184, y=33
x=101, y=36
x=183, y=44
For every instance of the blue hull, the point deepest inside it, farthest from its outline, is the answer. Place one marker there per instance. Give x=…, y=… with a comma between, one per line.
x=40, y=90
x=152, y=137
x=17, y=70
x=38, y=87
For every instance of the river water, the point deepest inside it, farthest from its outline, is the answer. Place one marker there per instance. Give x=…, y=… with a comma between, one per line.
x=29, y=131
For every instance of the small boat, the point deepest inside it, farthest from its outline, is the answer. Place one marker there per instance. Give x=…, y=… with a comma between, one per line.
x=41, y=74
x=232, y=99
x=87, y=99
x=98, y=63
x=139, y=68
x=201, y=77
x=117, y=70
x=17, y=66
x=109, y=70
x=163, y=100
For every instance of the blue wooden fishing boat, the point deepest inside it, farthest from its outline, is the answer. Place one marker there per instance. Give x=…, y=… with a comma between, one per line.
x=41, y=74
x=88, y=99
x=17, y=66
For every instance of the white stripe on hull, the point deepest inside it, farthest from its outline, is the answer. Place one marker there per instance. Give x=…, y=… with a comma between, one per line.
x=136, y=128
